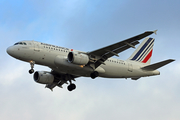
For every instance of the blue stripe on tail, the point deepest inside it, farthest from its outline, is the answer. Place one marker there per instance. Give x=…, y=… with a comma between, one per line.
x=145, y=51
x=142, y=48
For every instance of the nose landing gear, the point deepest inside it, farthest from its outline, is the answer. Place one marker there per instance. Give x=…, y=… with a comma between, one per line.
x=32, y=66
x=31, y=71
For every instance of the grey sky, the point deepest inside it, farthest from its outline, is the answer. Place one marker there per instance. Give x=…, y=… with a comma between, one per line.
x=89, y=25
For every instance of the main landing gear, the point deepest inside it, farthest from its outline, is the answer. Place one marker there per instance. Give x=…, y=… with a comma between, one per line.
x=32, y=66
x=94, y=74
x=72, y=86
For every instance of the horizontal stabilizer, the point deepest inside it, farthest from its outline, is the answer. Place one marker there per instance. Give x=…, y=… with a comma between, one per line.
x=157, y=65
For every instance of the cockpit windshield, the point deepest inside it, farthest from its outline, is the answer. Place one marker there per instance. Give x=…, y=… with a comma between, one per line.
x=20, y=43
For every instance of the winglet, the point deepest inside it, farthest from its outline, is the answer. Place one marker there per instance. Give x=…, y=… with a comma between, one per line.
x=155, y=32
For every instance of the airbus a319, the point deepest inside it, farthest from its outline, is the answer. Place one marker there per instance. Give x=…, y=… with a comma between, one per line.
x=67, y=64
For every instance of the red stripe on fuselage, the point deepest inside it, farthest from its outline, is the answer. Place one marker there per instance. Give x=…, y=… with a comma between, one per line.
x=147, y=57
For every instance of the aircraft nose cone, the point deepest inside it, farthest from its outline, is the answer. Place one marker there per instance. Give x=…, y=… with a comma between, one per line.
x=9, y=51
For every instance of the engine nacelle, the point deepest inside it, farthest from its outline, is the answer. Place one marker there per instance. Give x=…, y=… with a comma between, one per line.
x=78, y=58
x=43, y=77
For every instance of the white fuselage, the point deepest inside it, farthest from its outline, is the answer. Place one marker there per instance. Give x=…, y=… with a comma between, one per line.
x=55, y=57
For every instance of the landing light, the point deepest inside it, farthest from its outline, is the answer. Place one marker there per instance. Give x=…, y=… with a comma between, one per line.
x=81, y=66
x=30, y=61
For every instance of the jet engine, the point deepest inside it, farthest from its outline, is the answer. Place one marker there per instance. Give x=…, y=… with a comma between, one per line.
x=43, y=77
x=78, y=58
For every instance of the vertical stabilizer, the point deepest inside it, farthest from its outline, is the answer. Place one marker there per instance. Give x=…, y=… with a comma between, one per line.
x=143, y=53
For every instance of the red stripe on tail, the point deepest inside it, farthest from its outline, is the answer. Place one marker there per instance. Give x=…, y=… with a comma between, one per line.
x=147, y=57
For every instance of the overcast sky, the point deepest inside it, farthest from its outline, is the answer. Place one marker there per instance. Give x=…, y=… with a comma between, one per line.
x=88, y=25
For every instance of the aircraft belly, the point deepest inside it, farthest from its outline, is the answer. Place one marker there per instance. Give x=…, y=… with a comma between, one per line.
x=114, y=71
x=73, y=72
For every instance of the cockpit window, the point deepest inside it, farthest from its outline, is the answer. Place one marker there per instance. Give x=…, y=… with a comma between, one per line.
x=20, y=43
x=16, y=43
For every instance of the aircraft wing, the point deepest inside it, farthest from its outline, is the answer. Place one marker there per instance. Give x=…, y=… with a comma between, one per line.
x=59, y=79
x=102, y=54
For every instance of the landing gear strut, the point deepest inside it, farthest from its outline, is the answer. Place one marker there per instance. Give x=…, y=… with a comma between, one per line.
x=94, y=74
x=32, y=66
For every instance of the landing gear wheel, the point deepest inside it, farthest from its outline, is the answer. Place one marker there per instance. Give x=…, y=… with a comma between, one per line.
x=31, y=71
x=71, y=87
x=94, y=74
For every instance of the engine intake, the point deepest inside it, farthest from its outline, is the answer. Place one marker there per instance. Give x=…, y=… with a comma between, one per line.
x=43, y=77
x=78, y=58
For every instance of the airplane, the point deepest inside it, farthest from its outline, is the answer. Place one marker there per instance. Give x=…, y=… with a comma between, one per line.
x=67, y=64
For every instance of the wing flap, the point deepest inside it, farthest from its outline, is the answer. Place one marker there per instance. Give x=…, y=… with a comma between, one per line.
x=51, y=86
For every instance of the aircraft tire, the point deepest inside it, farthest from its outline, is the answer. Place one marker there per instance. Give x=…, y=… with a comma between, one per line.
x=31, y=71
x=71, y=87
x=94, y=74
